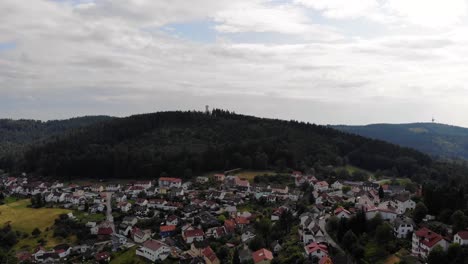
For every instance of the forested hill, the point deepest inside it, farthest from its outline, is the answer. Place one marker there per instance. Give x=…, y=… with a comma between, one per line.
x=435, y=139
x=186, y=143
x=15, y=135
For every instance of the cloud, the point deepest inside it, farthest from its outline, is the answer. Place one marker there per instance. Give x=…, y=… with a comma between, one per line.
x=429, y=13
x=113, y=57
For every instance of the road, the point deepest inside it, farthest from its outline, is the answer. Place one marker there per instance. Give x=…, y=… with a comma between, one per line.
x=109, y=216
x=322, y=224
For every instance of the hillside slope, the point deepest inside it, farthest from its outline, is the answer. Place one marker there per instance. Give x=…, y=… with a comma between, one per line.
x=187, y=143
x=16, y=135
x=435, y=139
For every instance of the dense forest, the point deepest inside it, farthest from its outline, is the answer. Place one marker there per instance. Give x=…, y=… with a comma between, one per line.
x=439, y=140
x=17, y=135
x=186, y=143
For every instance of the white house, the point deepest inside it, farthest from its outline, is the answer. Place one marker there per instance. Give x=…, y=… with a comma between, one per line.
x=404, y=203
x=166, y=182
x=193, y=235
x=340, y=212
x=154, y=250
x=403, y=226
x=337, y=185
x=424, y=240
x=461, y=237
x=316, y=249
x=386, y=214
x=321, y=186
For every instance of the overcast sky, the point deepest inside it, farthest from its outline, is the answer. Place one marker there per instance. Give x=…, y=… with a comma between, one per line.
x=323, y=61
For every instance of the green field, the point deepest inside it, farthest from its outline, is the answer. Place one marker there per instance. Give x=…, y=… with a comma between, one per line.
x=250, y=175
x=25, y=219
x=127, y=257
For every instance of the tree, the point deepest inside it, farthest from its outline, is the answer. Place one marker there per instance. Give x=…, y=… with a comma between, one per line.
x=383, y=233
x=419, y=212
x=349, y=239
x=458, y=221
x=381, y=192
x=36, y=232
x=256, y=243
x=235, y=257
x=437, y=256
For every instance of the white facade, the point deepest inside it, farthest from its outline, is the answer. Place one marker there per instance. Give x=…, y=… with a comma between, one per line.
x=155, y=253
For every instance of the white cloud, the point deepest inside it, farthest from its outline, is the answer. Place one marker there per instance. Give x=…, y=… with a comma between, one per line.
x=342, y=9
x=93, y=57
x=428, y=13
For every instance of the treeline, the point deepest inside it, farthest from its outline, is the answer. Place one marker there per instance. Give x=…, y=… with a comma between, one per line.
x=186, y=143
x=17, y=135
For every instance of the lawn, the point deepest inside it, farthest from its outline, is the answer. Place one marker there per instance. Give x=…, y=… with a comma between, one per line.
x=25, y=219
x=127, y=257
x=250, y=175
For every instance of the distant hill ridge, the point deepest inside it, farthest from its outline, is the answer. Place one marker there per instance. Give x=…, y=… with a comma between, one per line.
x=184, y=144
x=439, y=140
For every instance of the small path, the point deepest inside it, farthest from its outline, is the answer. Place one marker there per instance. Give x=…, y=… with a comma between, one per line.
x=322, y=224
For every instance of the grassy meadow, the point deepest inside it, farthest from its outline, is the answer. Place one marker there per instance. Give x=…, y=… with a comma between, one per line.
x=25, y=219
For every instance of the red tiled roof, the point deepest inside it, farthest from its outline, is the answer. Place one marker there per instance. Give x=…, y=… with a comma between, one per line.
x=463, y=234
x=326, y=260
x=242, y=220
x=230, y=225
x=105, y=231
x=341, y=209
x=170, y=179
x=167, y=228
x=101, y=256
x=194, y=233
x=428, y=237
x=312, y=247
x=152, y=244
x=209, y=254
x=261, y=255
x=322, y=183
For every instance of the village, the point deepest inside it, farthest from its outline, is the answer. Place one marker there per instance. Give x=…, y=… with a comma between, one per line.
x=221, y=218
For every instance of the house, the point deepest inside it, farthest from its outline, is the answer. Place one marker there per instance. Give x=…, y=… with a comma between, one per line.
x=402, y=226
x=325, y=260
x=337, y=185
x=461, y=238
x=216, y=232
x=386, y=214
x=262, y=256
x=140, y=236
x=275, y=216
x=102, y=257
x=230, y=226
x=276, y=246
x=316, y=250
x=154, y=250
x=403, y=203
x=202, y=179
x=145, y=184
x=167, y=230
x=321, y=186
x=209, y=256
x=340, y=212
x=219, y=177
x=193, y=235
x=247, y=235
x=424, y=240
x=172, y=220
x=62, y=250
x=124, y=206
x=166, y=182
